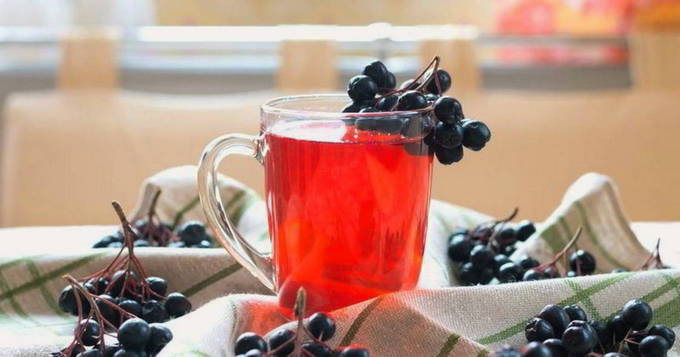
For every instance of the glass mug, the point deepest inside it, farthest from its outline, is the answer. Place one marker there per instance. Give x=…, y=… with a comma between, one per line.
x=347, y=200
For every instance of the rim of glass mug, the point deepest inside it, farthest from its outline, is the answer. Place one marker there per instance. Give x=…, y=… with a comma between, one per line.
x=273, y=106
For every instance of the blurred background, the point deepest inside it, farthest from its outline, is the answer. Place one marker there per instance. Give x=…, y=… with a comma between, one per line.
x=98, y=95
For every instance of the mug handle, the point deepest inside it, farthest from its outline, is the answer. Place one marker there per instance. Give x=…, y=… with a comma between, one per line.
x=259, y=264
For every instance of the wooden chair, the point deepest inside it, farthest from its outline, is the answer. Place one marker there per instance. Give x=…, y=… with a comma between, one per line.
x=307, y=65
x=68, y=153
x=458, y=55
x=654, y=59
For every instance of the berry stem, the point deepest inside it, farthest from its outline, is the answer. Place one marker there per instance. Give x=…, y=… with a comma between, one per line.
x=434, y=62
x=622, y=341
x=653, y=257
x=435, y=66
x=95, y=314
x=151, y=227
x=299, y=310
x=563, y=251
x=493, y=240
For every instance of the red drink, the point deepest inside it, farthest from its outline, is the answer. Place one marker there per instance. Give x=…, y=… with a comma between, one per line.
x=347, y=212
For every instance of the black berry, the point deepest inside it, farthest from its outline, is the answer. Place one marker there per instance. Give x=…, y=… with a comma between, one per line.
x=411, y=100
x=387, y=103
x=556, y=316
x=475, y=134
x=637, y=314
x=447, y=135
x=316, y=349
x=604, y=335
x=177, y=305
x=158, y=338
x=157, y=285
x=582, y=262
x=440, y=83
x=506, y=236
x=481, y=256
x=90, y=332
x=509, y=272
x=575, y=312
x=192, y=232
x=538, y=330
x=528, y=263
x=459, y=248
x=131, y=306
x=448, y=156
x=134, y=334
x=578, y=340
x=380, y=75
x=536, y=349
x=104, y=302
x=100, y=285
x=532, y=275
x=153, y=311
x=68, y=304
x=449, y=110
x=618, y=327
x=556, y=347
x=499, y=260
x=653, y=346
x=321, y=326
x=281, y=343
x=663, y=331
x=470, y=274
x=362, y=88
x=524, y=230
x=249, y=341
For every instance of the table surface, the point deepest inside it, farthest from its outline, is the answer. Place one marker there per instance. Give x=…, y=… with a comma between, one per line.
x=49, y=240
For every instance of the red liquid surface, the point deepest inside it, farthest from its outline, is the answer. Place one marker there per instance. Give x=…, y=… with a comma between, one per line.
x=347, y=212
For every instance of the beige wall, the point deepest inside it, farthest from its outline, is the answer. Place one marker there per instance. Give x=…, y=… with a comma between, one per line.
x=69, y=154
x=346, y=12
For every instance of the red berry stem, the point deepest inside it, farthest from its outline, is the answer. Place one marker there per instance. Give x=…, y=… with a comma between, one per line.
x=566, y=248
x=151, y=214
x=493, y=240
x=654, y=258
x=434, y=62
x=94, y=314
x=299, y=311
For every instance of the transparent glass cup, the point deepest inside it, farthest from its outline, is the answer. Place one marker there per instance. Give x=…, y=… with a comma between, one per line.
x=347, y=200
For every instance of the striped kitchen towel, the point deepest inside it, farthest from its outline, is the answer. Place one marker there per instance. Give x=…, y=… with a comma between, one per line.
x=438, y=319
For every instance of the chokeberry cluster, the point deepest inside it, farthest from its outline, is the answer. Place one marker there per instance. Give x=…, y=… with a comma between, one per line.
x=151, y=232
x=482, y=253
x=117, y=296
x=308, y=339
x=443, y=126
x=566, y=331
